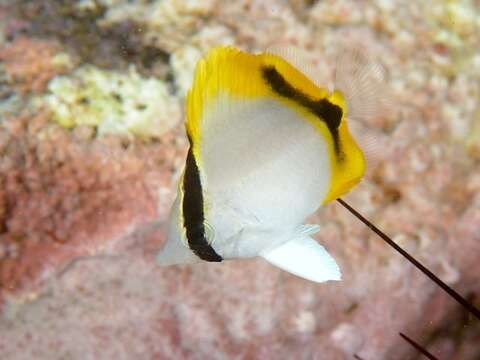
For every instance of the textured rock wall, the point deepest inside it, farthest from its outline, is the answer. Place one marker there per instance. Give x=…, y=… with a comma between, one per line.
x=91, y=145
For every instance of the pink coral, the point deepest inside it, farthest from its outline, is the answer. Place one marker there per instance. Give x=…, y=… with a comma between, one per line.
x=63, y=192
x=29, y=63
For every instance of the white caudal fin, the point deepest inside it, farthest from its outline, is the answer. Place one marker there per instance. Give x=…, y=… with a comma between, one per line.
x=306, y=258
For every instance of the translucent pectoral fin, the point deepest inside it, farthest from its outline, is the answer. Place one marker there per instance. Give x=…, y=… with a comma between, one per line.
x=175, y=252
x=306, y=258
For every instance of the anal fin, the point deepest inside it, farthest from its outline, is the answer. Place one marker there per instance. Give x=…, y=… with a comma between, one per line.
x=306, y=258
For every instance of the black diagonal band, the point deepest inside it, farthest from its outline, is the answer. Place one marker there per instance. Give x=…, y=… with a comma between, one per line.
x=323, y=109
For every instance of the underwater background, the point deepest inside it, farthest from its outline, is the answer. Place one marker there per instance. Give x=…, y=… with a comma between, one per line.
x=92, y=144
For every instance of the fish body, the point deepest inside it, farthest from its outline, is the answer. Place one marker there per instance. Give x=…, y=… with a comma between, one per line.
x=267, y=148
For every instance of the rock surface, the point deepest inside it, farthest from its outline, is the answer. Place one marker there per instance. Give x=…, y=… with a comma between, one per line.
x=83, y=211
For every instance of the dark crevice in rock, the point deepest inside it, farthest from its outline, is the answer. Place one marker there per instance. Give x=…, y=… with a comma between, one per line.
x=114, y=47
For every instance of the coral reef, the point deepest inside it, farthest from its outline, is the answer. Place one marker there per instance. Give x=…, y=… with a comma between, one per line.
x=63, y=192
x=30, y=64
x=91, y=145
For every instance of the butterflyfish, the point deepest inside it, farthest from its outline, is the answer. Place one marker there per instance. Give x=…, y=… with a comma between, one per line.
x=268, y=147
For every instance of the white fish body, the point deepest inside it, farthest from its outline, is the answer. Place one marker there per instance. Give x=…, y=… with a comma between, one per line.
x=267, y=148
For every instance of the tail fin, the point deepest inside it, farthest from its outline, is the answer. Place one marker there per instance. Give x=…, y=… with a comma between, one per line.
x=363, y=83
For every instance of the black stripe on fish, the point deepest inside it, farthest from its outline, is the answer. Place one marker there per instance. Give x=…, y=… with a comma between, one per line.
x=193, y=214
x=329, y=113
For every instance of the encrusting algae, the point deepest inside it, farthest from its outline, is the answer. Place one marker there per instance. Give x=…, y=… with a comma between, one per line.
x=112, y=102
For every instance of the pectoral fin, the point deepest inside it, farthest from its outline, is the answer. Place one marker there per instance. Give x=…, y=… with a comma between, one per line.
x=175, y=252
x=305, y=258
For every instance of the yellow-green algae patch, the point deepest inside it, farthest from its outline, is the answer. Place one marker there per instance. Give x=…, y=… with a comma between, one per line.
x=112, y=102
x=473, y=138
